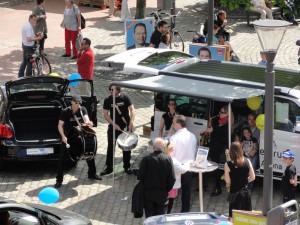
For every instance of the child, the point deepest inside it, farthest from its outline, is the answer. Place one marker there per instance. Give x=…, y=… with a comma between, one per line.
x=178, y=169
x=250, y=147
x=289, y=178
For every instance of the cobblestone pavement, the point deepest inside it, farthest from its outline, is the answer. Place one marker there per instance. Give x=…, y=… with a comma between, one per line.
x=109, y=201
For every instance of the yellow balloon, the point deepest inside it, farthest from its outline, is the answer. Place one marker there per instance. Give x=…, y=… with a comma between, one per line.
x=260, y=122
x=54, y=74
x=253, y=103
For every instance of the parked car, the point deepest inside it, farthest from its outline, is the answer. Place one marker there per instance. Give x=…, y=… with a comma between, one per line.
x=150, y=60
x=29, y=114
x=34, y=214
x=205, y=218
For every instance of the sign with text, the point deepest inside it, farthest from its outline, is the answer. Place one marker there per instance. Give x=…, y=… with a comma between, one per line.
x=241, y=217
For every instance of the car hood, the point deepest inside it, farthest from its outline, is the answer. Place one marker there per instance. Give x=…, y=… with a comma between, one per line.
x=34, y=86
x=66, y=217
x=150, y=60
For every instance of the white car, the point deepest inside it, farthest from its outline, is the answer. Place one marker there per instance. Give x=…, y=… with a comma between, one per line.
x=150, y=60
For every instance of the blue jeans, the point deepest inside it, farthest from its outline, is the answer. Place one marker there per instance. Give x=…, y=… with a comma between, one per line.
x=26, y=64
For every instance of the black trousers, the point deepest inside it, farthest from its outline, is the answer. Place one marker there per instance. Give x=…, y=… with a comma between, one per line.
x=26, y=64
x=154, y=208
x=215, y=156
x=62, y=161
x=110, y=150
x=186, y=183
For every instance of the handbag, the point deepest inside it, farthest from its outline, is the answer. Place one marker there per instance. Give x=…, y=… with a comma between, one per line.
x=78, y=41
x=232, y=196
x=82, y=24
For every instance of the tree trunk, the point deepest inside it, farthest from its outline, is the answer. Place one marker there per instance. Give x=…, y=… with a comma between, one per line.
x=140, y=9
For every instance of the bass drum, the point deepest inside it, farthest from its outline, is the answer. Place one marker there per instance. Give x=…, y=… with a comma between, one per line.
x=83, y=145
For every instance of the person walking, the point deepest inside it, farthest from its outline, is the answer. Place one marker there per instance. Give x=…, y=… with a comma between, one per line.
x=185, y=147
x=289, y=177
x=124, y=118
x=72, y=25
x=85, y=64
x=28, y=39
x=66, y=123
x=41, y=25
x=238, y=173
x=157, y=174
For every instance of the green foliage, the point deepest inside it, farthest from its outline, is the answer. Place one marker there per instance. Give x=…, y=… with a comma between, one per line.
x=235, y=4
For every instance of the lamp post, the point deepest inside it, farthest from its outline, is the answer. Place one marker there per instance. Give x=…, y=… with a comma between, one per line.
x=270, y=34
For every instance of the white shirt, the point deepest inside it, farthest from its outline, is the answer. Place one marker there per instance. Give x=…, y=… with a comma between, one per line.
x=185, y=145
x=27, y=31
x=178, y=170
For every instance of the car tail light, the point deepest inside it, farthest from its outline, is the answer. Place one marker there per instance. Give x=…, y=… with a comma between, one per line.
x=5, y=131
x=32, y=60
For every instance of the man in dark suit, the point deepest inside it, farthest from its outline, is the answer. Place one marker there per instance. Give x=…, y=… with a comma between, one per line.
x=140, y=36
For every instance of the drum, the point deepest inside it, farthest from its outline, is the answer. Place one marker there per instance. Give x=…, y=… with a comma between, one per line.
x=127, y=141
x=83, y=145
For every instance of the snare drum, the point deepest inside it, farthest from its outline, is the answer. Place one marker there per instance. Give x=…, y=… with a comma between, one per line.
x=83, y=145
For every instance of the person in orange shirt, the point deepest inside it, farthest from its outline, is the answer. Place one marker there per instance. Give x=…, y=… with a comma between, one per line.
x=85, y=63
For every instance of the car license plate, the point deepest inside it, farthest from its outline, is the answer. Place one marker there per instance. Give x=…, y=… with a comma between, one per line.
x=39, y=151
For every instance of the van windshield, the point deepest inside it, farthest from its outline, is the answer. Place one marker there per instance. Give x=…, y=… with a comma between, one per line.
x=164, y=59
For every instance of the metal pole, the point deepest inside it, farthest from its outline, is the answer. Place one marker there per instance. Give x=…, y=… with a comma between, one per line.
x=173, y=7
x=210, y=22
x=268, y=139
x=114, y=136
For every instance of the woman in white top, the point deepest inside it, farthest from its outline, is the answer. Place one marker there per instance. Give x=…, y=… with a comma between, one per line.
x=165, y=40
x=260, y=6
x=178, y=169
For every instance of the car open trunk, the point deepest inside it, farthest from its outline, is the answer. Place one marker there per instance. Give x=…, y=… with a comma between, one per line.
x=35, y=123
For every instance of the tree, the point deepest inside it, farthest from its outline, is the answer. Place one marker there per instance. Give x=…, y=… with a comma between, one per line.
x=140, y=9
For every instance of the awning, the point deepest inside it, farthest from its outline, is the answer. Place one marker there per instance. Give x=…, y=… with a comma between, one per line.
x=224, y=90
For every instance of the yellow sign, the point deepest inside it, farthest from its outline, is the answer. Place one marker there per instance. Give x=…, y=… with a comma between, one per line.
x=241, y=217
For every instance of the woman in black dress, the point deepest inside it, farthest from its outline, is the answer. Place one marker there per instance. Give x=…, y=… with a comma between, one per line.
x=167, y=119
x=238, y=173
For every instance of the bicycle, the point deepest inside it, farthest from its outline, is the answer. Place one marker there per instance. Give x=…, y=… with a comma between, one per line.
x=176, y=39
x=198, y=37
x=40, y=63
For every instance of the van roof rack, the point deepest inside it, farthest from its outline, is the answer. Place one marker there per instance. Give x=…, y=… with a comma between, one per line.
x=247, y=72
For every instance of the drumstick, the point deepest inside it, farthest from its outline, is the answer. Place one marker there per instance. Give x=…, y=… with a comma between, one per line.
x=127, y=134
x=67, y=145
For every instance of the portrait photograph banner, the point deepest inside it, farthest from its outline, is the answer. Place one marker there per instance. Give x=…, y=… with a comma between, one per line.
x=138, y=32
x=210, y=52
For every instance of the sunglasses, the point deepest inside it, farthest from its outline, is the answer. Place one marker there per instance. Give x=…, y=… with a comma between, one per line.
x=222, y=112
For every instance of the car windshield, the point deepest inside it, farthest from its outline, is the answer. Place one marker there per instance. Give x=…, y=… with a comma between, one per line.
x=17, y=88
x=164, y=59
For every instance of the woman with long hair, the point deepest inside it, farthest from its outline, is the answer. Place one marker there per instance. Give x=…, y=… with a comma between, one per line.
x=41, y=25
x=238, y=173
x=167, y=118
x=165, y=40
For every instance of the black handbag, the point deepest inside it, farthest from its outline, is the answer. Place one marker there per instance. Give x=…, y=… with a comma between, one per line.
x=232, y=197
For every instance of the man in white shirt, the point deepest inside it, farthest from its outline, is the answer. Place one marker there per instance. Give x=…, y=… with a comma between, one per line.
x=28, y=39
x=185, y=147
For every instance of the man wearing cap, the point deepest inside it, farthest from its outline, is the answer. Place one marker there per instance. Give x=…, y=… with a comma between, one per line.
x=289, y=177
x=65, y=124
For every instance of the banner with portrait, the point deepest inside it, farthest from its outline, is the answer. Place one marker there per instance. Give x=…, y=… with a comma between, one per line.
x=138, y=33
x=203, y=51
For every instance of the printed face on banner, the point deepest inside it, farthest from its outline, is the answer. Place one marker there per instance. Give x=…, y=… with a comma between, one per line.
x=138, y=33
x=207, y=52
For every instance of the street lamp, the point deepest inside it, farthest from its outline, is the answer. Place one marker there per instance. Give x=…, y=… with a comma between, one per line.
x=270, y=34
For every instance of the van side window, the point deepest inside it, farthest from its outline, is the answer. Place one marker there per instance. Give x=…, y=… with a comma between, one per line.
x=285, y=114
x=187, y=106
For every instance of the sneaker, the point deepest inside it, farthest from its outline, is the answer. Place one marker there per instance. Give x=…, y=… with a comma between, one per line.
x=58, y=184
x=74, y=57
x=95, y=177
x=107, y=170
x=65, y=55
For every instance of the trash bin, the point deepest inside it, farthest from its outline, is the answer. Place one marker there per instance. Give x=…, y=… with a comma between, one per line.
x=164, y=4
x=286, y=213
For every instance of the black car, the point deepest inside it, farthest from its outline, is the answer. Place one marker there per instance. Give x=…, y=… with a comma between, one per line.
x=34, y=214
x=29, y=113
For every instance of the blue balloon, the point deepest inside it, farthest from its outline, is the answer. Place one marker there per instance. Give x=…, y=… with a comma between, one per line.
x=49, y=195
x=74, y=76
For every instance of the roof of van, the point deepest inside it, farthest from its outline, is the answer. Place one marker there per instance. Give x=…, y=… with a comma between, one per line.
x=247, y=72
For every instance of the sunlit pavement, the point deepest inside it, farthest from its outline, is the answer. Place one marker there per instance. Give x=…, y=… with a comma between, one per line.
x=109, y=201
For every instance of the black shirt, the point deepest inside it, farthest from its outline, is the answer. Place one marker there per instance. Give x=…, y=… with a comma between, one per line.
x=123, y=102
x=238, y=176
x=168, y=120
x=69, y=120
x=289, y=173
x=155, y=38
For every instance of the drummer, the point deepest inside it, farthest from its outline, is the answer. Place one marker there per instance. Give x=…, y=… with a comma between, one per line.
x=124, y=118
x=65, y=124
